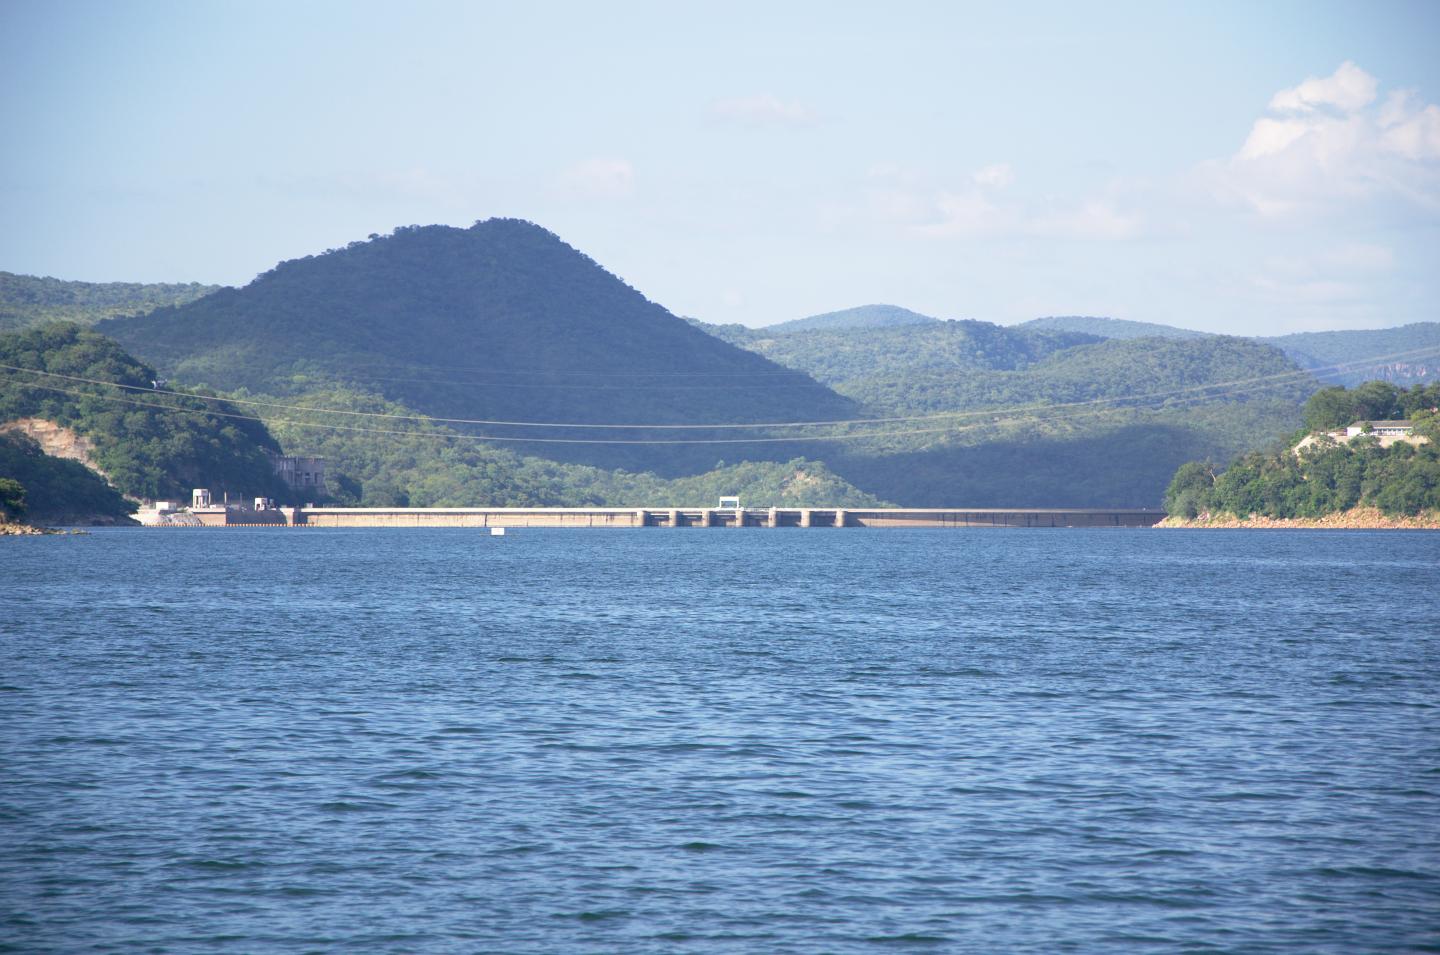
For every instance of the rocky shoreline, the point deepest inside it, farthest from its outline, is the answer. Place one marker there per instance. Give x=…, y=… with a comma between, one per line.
x=9, y=529
x=1356, y=519
x=24, y=530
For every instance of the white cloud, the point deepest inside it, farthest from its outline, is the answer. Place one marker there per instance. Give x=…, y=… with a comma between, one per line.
x=967, y=215
x=1269, y=136
x=1410, y=129
x=975, y=213
x=599, y=178
x=1347, y=263
x=982, y=206
x=899, y=205
x=1329, y=152
x=1348, y=89
x=1091, y=219
x=1359, y=257
x=1327, y=149
x=1313, y=292
x=995, y=176
x=1335, y=284
x=763, y=109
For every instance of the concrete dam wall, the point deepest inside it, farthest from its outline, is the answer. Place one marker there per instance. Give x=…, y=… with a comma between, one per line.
x=728, y=517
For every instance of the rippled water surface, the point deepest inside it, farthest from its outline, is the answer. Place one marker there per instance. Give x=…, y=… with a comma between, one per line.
x=720, y=741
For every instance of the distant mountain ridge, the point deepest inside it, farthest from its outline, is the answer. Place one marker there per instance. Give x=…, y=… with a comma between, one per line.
x=864, y=316
x=1135, y=402
x=1109, y=327
x=838, y=355
x=29, y=300
x=1402, y=354
x=1406, y=354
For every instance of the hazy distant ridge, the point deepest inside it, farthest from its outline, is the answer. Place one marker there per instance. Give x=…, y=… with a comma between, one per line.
x=1109, y=327
x=864, y=316
x=29, y=300
x=1405, y=354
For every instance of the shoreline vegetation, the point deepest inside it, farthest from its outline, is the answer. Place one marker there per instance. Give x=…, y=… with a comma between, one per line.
x=1337, y=473
x=1354, y=519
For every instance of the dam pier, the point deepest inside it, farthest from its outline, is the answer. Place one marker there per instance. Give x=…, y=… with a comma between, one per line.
x=625, y=517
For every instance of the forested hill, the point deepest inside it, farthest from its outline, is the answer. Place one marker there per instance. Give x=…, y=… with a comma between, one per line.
x=500, y=321
x=1078, y=419
x=1328, y=476
x=150, y=445
x=1108, y=327
x=28, y=300
x=1102, y=424
x=1404, y=354
x=838, y=356
x=1177, y=371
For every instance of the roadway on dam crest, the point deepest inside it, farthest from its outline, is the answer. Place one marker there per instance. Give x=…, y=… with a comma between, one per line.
x=723, y=517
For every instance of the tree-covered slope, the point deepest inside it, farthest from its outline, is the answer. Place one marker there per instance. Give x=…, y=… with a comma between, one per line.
x=1404, y=354
x=1338, y=407
x=149, y=444
x=1068, y=417
x=1087, y=457
x=58, y=491
x=839, y=357
x=1221, y=368
x=963, y=365
x=28, y=300
x=1102, y=424
x=501, y=321
x=1326, y=477
x=864, y=316
x=404, y=461
x=1108, y=327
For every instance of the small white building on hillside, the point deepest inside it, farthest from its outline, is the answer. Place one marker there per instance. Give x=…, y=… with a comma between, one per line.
x=1381, y=429
x=1386, y=432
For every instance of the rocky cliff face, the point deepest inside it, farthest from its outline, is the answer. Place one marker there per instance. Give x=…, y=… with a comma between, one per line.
x=55, y=440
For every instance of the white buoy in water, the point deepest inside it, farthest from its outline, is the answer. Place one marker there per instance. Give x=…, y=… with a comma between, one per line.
x=497, y=532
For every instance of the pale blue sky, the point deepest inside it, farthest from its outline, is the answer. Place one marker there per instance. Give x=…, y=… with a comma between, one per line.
x=742, y=163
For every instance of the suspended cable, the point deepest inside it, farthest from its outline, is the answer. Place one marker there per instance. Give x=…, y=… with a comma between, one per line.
x=249, y=402
x=997, y=415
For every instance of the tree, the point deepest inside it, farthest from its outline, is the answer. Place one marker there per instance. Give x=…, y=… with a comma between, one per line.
x=1427, y=424
x=1191, y=489
x=1328, y=409
x=12, y=499
x=1376, y=400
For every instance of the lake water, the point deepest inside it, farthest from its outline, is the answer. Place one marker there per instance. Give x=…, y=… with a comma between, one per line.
x=720, y=741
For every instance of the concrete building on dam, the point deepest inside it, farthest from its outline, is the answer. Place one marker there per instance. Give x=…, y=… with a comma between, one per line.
x=303, y=473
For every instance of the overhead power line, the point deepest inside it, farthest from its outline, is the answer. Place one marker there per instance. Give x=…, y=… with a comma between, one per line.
x=997, y=416
x=1212, y=388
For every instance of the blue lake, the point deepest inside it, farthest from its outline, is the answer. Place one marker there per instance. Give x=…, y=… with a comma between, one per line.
x=720, y=741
